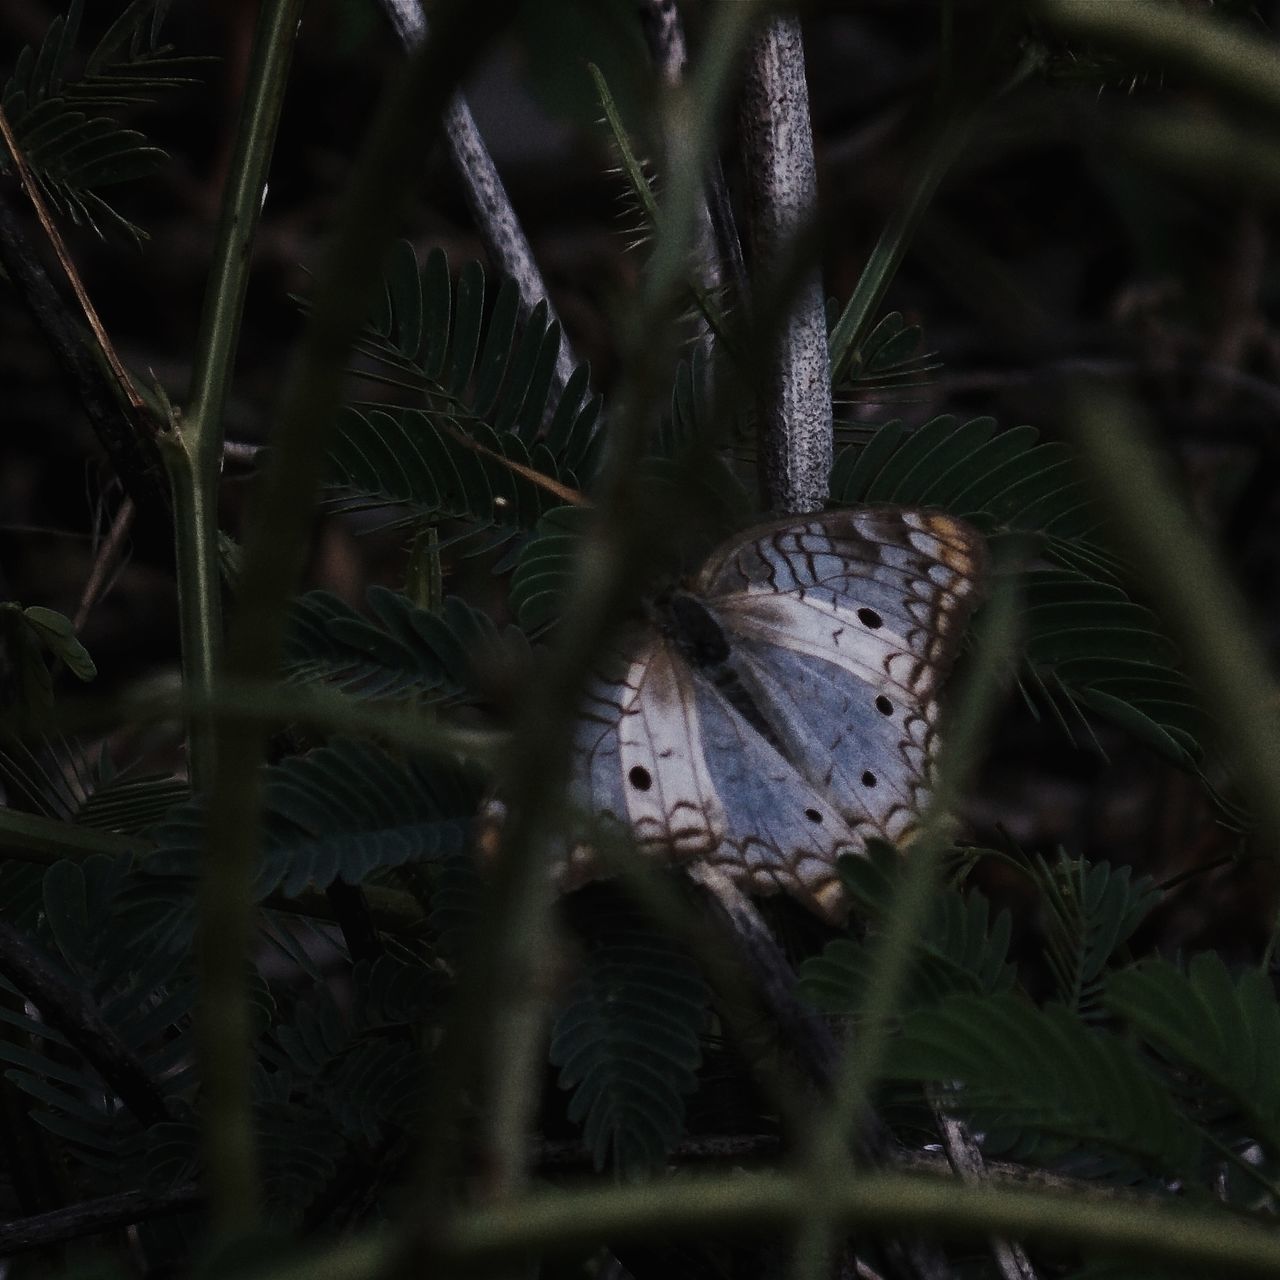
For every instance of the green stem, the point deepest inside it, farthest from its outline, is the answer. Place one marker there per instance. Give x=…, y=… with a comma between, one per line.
x=1237, y=64
x=1192, y=590
x=497, y=1012
x=275, y=548
x=958, y=117
x=31, y=837
x=828, y=1147
x=1205, y=1241
x=886, y=257
x=193, y=454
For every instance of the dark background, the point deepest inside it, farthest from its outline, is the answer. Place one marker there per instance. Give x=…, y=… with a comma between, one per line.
x=1048, y=247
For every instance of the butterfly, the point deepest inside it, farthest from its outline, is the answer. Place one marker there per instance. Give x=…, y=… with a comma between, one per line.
x=782, y=709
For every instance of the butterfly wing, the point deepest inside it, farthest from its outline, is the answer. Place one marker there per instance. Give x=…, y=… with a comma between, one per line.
x=660, y=749
x=638, y=754
x=816, y=728
x=841, y=628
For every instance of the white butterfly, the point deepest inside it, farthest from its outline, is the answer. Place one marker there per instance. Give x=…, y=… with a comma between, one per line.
x=783, y=710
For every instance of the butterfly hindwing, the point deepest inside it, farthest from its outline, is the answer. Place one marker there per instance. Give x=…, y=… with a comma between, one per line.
x=780, y=833
x=860, y=744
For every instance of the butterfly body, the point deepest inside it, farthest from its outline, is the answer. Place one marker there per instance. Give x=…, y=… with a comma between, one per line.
x=782, y=710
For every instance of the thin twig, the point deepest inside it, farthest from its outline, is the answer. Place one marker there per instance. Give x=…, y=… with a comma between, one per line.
x=966, y=1159
x=814, y=1046
x=32, y=190
x=496, y=220
x=91, y=1217
x=118, y=426
x=105, y=562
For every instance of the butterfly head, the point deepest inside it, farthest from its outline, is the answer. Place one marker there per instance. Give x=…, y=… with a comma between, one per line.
x=693, y=627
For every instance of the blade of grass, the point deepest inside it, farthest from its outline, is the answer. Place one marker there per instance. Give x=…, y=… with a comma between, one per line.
x=284, y=501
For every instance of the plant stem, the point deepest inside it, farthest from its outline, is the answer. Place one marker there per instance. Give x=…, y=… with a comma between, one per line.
x=193, y=455
x=795, y=390
x=886, y=257
x=497, y=1012
x=275, y=547
x=31, y=837
x=1193, y=593
x=1209, y=1242
x=1239, y=66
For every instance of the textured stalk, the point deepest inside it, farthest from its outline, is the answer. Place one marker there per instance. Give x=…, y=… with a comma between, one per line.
x=794, y=398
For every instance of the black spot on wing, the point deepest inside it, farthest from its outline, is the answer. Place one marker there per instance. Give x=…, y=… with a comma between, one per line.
x=640, y=778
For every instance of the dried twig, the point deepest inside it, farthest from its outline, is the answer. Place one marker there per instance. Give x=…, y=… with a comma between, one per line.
x=32, y=191
x=123, y=430
x=966, y=1159
x=93, y=1216
x=105, y=562
x=814, y=1046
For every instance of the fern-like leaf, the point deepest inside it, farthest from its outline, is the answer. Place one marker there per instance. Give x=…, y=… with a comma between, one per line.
x=64, y=124
x=1091, y=909
x=545, y=567
x=346, y=810
x=889, y=361
x=1048, y=1077
x=401, y=650
x=959, y=946
x=626, y=1043
x=1000, y=481
x=1226, y=1030
x=468, y=433
x=1088, y=646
